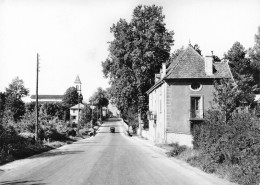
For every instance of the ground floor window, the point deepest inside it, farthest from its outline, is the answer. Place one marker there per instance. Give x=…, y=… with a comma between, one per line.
x=196, y=107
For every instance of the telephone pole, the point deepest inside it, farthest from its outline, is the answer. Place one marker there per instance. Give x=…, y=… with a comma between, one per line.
x=36, y=106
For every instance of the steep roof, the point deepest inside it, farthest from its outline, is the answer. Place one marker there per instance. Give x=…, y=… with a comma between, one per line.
x=80, y=106
x=189, y=64
x=47, y=96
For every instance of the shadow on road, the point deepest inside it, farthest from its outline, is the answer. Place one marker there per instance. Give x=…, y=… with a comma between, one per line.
x=109, y=126
x=108, y=132
x=22, y=182
x=56, y=153
x=112, y=119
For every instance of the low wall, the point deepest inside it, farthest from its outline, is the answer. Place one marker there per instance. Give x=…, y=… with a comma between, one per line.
x=182, y=139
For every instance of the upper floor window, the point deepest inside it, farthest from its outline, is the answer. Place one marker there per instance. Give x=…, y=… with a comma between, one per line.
x=195, y=86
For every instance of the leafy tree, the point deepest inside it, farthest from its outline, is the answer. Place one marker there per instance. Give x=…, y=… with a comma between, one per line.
x=53, y=109
x=14, y=106
x=85, y=116
x=242, y=72
x=70, y=97
x=136, y=54
x=254, y=54
x=2, y=105
x=100, y=99
x=17, y=89
x=196, y=48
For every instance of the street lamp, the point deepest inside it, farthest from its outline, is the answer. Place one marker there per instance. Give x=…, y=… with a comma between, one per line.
x=78, y=87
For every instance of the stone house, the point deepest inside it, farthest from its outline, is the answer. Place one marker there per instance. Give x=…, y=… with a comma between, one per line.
x=75, y=112
x=182, y=93
x=47, y=98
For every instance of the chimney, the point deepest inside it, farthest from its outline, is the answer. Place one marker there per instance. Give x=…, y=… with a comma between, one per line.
x=163, y=70
x=208, y=65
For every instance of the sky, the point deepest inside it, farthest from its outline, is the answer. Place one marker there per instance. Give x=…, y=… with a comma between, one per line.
x=71, y=36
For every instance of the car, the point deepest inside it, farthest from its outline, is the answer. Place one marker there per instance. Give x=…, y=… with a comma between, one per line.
x=112, y=129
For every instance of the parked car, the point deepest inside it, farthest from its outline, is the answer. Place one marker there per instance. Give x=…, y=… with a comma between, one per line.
x=112, y=129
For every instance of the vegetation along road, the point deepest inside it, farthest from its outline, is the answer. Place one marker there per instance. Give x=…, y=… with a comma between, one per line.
x=107, y=158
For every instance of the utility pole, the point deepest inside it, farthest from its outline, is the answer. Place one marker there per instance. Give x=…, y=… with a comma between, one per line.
x=36, y=106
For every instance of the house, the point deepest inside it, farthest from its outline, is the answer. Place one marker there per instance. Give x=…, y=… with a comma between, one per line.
x=75, y=112
x=47, y=98
x=181, y=95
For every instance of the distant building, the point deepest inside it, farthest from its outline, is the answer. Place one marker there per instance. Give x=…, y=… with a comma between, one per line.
x=181, y=95
x=75, y=112
x=47, y=98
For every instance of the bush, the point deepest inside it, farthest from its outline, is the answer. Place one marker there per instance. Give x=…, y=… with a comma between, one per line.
x=177, y=149
x=235, y=142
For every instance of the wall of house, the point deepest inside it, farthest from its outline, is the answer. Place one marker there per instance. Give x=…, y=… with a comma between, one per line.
x=157, y=104
x=178, y=103
x=74, y=112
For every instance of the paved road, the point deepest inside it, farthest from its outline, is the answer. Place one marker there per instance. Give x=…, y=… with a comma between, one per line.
x=107, y=158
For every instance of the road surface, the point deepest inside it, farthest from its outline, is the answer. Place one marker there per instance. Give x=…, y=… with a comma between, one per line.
x=107, y=158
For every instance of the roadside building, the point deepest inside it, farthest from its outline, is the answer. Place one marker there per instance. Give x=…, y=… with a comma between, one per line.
x=181, y=95
x=47, y=98
x=75, y=112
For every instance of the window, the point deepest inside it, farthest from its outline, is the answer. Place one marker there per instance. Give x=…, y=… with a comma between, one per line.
x=195, y=86
x=73, y=111
x=196, y=107
x=73, y=117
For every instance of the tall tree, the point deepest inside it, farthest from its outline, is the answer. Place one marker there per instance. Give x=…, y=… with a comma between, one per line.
x=70, y=97
x=14, y=106
x=242, y=72
x=100, y=99
x=2, y=105
x=254, y=54
x=136, y=54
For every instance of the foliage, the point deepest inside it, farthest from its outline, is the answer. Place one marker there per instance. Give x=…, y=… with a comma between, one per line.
x=226, y=97
x=85, y=116
x=14, y=106
x=2, y=105
x=70, y=97
x=53, y=109
x=241, y=68
x=17, y=89
x=229, y=136
x=100, y=98
x=176, y=150
x=136, y=54
x=254, y=54
x=196, y=48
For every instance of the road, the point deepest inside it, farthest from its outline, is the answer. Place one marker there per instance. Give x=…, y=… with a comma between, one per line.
x=107, y=158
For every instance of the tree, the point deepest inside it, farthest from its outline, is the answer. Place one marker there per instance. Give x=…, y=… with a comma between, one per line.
x=242, y=72
x=136, y=54
x=70, y=97
x=17, y=89
x=14, y=106
x=100, y=99
x=85, y=116
x=254, y=54
x=2, y=105
x=196, y=48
